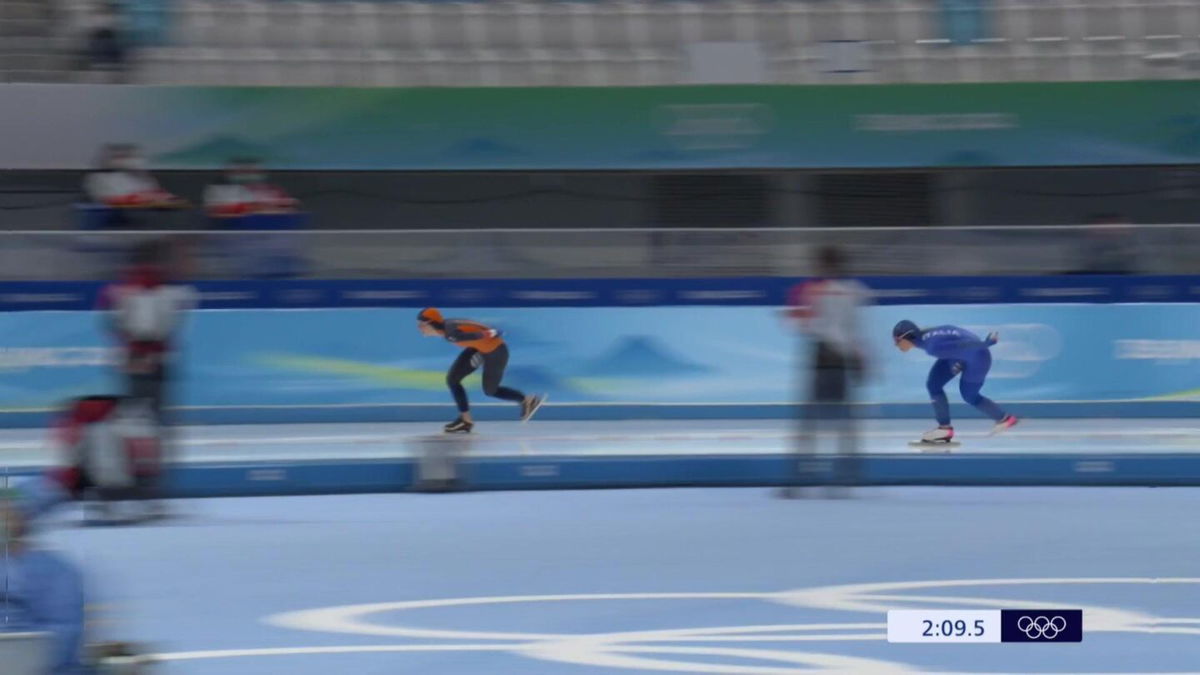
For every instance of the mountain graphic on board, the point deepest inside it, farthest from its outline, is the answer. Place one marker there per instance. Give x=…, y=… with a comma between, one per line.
x=482, y=148
x=641, y=356
x=1182, y=135
x=216, y=151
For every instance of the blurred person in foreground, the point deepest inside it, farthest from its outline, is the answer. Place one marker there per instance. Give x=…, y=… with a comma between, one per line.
x=827, y=310
x=111, y=448
x=125, y=189
x=144, y=311
x=44, y=592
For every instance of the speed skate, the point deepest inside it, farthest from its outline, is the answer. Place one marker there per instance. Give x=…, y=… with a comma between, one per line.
x=934, y=446
x=940, y=439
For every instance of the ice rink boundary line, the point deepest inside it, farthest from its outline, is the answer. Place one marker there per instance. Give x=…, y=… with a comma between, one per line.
x=404, y=234
x=433, y=436
x=615, y=412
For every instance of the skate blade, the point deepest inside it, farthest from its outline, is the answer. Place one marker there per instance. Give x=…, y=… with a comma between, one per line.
x=937, y=446
x=1001, y=430
x=113, y=521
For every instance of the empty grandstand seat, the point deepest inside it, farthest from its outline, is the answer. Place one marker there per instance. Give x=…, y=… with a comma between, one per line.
x=195, y=23
x=563, y=25
x=236, y=24
x=448, y=25
x=285, y=25
x=353, y=27
x=189, y=65
x=499, y=25
x=405, y=25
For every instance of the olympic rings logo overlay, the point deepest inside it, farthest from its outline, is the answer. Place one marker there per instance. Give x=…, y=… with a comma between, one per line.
x=1044, y=625
x=1039, y=627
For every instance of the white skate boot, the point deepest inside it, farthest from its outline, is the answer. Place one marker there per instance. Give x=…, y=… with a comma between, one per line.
x=941, y=438
x=938, y=435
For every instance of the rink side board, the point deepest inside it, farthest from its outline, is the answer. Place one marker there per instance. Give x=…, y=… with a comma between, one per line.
x=250, y=479
x=611, y=349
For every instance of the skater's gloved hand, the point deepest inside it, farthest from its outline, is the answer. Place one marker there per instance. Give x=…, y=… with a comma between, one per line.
x=957, y=367
x=492, y=332
x=992, y=338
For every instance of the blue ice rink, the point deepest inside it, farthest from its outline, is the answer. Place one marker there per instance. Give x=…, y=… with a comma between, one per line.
x=646, y=581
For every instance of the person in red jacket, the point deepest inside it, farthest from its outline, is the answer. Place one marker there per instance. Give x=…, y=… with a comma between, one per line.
x=144, y=311
x=482, y=346
x=111, y=449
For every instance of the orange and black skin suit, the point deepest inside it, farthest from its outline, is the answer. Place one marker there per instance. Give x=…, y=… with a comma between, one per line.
x=482, y=346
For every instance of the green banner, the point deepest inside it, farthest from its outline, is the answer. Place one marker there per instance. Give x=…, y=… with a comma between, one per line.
x=1018, y=124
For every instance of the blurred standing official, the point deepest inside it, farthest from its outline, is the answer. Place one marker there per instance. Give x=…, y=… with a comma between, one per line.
x=827, y=309
x=144, y=311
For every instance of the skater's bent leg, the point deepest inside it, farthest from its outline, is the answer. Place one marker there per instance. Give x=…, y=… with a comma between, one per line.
x=460, y=396
x=506, y=394
x=493, y=372
x=941, y=373
x=970, y=394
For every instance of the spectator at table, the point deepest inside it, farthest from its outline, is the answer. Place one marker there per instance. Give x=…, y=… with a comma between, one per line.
x=1110, y=246
x=121, y=185
x=245, y=191
x=245, y=200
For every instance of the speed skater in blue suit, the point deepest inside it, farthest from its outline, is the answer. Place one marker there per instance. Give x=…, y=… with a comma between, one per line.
x=958, y=352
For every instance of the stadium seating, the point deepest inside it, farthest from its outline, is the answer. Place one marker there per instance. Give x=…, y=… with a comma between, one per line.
x=390, y=43
x=606, y=42
x=29, y=50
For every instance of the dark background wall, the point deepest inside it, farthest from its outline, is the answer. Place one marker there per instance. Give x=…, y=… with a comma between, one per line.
x=373, y=200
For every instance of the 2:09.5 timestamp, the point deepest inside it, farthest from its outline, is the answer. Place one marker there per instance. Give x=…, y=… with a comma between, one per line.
x=956, y=628
x=943, y=625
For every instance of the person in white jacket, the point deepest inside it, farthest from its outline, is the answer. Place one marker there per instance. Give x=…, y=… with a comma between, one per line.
x=245, y=191
x=122, y=185
x=828, y=310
